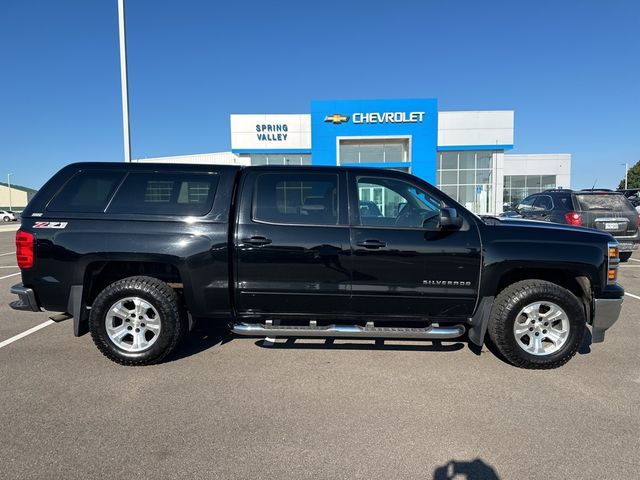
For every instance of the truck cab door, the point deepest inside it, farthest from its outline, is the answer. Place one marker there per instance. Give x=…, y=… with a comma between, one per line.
x=404, y=264
x=292, y=251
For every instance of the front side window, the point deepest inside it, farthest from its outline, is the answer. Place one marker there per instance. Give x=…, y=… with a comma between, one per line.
x=176, y=193
x=296, y=199
x=385, y=202
x=88, y=191
x=526, y=204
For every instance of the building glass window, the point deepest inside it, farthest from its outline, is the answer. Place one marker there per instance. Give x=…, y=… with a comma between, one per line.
x=467, y=176
x=378, y=150
x=517, y=187
x=280, y=159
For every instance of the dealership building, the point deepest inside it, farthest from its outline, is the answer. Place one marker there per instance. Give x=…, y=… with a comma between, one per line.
x=464, y=153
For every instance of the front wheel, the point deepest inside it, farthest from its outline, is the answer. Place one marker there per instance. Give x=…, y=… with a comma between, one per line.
x=137, y=321
x=625, y=256
x=537, y=324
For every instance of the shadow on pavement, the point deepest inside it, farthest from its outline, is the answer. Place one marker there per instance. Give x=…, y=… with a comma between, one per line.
x=473, y=470
x=379, y=344
x=201, y=338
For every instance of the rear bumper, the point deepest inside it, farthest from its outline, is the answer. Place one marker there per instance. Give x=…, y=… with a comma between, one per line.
x=26, y=299
x=605, y=313
x=628, y=243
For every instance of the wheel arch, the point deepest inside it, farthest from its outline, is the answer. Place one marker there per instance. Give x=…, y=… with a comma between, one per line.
x=99, y=274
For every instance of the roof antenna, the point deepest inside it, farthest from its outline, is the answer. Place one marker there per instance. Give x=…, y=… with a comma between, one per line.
x=594, y=184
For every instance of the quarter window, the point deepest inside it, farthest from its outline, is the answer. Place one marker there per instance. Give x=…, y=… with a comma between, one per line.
x=297, y=199
x=88, y=191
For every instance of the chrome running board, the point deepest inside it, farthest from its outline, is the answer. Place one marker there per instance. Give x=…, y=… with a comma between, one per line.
x=347, y=331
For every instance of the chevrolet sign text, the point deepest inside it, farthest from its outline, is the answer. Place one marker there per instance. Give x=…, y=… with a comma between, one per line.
x=388, y=117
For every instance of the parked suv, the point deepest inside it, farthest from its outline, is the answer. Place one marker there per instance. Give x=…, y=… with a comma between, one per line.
x=600, y=209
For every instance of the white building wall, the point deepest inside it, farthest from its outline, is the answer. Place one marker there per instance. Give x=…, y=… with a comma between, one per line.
x=558, y=164
x=216, y=158
x=270, y=132
x=14, y=197
x=475, y=128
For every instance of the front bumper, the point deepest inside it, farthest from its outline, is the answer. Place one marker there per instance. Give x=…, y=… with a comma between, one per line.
x=605, y=313
x=26, y=299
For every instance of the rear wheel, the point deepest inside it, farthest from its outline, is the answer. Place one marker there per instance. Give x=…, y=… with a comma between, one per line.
x=537, y=324
x=6, y=219
x=137, y=321
x=625, y=256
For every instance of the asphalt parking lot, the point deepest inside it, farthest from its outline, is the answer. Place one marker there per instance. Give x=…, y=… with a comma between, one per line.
x=225, y=407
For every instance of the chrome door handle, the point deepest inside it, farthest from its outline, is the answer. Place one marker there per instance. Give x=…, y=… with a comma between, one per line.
x=257, y=240
x=372, y=244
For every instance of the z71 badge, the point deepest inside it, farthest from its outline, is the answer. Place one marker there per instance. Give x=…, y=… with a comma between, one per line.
x=50, y=225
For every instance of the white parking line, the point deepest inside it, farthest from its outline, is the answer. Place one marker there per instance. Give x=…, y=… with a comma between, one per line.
x=12, y=275
x=25, y=333
x=632, y=295
x=8, y=253
x=634, y=259
x=9, y=266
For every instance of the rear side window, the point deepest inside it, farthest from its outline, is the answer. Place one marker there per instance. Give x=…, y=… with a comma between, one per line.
x=175, y=193
x=600, y=201
x=543, y=202
x=298, y=199
x=88, y=191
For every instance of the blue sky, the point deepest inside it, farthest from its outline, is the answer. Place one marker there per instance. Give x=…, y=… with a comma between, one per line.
x=569, y=69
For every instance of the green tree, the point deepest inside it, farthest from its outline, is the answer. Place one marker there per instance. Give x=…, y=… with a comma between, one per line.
x=633, y=177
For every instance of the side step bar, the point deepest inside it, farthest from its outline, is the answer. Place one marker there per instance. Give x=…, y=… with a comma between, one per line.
x=347, y=331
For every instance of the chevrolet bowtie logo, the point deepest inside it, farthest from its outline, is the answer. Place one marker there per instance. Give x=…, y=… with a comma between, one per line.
x=336, y=118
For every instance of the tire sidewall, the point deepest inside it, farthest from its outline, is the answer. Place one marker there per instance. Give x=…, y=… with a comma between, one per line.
x=562, y=298
x=109, y=296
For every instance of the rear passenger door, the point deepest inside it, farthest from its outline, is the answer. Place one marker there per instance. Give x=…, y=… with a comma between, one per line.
x=292, y=242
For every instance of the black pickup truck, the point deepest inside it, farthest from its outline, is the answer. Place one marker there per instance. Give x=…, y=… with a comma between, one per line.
x=136, y=253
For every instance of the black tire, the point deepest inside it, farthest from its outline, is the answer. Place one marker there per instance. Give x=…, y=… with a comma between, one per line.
x=625, y=256
x=5, y=219
x=157, y=293
x=508, y=305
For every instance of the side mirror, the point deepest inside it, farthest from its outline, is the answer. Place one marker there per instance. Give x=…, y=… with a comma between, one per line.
x=449, y=219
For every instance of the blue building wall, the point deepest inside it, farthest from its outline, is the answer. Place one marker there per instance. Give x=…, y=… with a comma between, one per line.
x=413, y=118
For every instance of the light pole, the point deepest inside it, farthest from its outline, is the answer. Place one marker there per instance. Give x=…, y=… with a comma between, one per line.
x=626, y=171
x=9, y=185
x=124, y=84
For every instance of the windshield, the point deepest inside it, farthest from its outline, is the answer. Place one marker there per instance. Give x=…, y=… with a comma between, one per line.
x=599, y=201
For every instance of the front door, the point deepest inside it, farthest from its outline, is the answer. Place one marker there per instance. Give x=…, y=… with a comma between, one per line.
x=403, y=263
x=292, y=243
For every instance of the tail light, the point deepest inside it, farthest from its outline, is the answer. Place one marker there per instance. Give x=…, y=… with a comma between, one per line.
x=24, y=249
x=573, y=218
x=638, y=222
x=613, y=261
